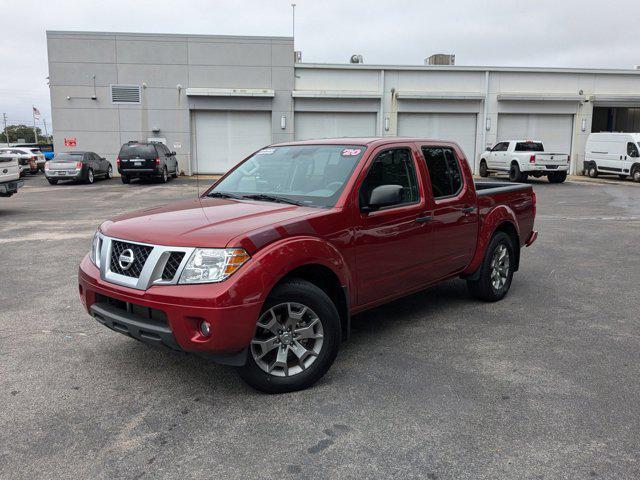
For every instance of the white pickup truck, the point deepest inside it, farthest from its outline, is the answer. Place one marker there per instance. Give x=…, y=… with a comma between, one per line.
x=522, y=158
x=9, y=175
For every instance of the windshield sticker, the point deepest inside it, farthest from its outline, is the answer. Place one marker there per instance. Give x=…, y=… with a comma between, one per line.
x=266, y=151
x=351, y=152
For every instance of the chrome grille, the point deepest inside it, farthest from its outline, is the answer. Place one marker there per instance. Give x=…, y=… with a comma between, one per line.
x=140, y=255
x=172, y=265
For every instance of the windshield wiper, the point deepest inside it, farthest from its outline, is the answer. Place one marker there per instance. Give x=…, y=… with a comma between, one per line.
x=224, y=195
x=271, y=198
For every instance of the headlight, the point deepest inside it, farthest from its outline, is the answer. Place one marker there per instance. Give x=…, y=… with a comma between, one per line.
x=208, y=265
x=95, y=249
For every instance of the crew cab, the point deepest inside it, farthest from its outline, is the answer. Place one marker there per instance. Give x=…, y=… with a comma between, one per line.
x=524, y=158
x=9, y=174
x=265, y=269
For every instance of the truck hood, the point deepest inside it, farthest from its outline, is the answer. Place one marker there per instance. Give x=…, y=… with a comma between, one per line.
x=204, y=222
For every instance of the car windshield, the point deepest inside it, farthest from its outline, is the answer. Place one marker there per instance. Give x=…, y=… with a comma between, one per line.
x=313, y=175
x=529, y=147
x=68, y=157
x=136, y=150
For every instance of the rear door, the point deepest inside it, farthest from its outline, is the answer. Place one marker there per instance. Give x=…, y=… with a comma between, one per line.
x=454, y=211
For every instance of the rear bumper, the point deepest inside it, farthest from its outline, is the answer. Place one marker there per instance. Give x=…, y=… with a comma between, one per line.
x=139, y=172
x=64, y=174
x=9, y=188
x=182, y=307
x=545, y=168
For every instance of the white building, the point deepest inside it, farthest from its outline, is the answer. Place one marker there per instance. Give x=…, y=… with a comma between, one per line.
x=216, y=99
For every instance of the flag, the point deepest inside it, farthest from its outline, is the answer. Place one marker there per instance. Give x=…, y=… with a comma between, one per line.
x=36, y=113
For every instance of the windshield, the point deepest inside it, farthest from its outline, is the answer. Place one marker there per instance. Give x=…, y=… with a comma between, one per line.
x=529, y=147
x=136, y=150
x=68, y=157
x=312, y=175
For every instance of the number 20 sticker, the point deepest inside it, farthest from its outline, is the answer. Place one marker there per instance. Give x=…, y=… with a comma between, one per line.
x=351, y=152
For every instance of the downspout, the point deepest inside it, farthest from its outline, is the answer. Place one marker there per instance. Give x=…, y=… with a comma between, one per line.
x=381, y=111
x=484, y=122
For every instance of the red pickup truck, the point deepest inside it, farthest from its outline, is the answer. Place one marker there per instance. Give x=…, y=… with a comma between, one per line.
x=265, y=269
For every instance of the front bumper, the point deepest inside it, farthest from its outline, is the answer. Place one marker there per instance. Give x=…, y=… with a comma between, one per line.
x=183, y=307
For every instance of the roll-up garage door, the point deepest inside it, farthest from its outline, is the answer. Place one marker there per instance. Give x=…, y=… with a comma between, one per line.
x=457, y=127
x=310, y=125
x=224, y=138
x=554, y=131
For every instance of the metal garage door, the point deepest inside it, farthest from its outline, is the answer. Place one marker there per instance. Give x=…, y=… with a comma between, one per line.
x=553, y=130
x=311, y=125
x=457, y=127
x=223, y=138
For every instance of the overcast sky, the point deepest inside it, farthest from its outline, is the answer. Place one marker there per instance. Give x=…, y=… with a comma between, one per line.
x=553, y=33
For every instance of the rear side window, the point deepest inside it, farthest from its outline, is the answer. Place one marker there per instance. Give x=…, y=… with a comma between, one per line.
x=138, y=150
x=444, y=171
x=529, y=147
x=392, y=167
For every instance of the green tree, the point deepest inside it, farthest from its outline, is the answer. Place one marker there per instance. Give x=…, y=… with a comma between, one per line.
x=23, y=132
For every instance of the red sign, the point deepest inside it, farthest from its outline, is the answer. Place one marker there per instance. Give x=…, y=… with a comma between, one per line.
x=70, y=142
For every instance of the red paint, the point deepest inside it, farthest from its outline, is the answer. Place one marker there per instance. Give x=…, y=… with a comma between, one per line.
x=379, y=255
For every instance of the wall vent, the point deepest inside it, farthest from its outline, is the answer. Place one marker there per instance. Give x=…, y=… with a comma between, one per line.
x=126, y=94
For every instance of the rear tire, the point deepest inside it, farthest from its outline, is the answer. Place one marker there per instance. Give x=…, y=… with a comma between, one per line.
x=164, y=178
x=515, y=175
x=90, y=178
x=593, y=171
x=125, y=179
x=272, y=342
x=557, y=177
x=484, y=172
x=52, y=181
x=495, y=276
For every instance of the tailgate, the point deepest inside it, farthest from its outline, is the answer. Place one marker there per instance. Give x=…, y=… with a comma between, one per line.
x=552, y=159
x=136, y=162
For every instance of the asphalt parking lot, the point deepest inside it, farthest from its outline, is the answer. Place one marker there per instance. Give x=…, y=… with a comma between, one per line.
x=544, y=384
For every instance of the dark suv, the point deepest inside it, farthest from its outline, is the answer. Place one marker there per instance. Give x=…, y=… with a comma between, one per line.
x=145, y=160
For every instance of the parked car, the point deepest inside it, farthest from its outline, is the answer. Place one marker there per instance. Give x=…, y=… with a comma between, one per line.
x=146, y=160
x=9, y=175
x=613, y=153
x=264, y=270
x=524, y=158
x=31, y=160
x=79, y=166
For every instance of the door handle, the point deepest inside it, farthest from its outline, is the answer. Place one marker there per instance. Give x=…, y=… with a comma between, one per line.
x=468, y=210
x=424, y=219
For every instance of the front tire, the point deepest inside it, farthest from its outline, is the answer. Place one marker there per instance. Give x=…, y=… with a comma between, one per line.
x=515, y=175
x=636, y=174
x=496, y=271
x=297, y=339
x=484, y=173
x=109, y=172
x=557, y=177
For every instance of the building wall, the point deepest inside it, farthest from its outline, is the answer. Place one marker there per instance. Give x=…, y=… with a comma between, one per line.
x=160, y=63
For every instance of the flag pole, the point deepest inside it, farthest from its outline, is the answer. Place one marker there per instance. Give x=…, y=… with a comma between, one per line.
x=35, y=132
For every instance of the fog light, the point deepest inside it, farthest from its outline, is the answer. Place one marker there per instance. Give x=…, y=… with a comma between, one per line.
x=205, y=328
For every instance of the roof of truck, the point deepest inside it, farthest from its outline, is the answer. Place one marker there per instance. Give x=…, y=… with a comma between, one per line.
x=365, y=141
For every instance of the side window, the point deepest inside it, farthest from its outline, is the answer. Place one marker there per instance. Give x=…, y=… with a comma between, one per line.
x=392, y=167
x=500, y=147
x=632, y=150
x=444, y=171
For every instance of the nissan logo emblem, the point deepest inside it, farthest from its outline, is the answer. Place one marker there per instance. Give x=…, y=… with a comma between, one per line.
x=126, y=258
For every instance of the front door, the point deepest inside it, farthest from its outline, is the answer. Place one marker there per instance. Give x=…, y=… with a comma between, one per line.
x=390, y=242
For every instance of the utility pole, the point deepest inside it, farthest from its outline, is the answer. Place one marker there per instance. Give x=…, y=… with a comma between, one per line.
x=6, y=132
x=35, y=132
x=293, y=26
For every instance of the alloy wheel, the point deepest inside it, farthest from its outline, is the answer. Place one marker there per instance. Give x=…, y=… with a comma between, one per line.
x=500, y=267
x=288, y=339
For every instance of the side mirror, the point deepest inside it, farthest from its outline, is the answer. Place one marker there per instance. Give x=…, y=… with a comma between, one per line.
x=173, y=154
x=385, y=196
x=488, y=149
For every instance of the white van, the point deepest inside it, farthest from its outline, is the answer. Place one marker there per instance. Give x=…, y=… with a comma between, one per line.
x=614, y=153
